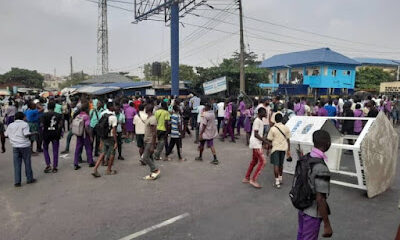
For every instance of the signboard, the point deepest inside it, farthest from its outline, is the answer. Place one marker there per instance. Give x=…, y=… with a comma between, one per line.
x=215, y=86
x=302, y=127
x=390, y=87
x=150, y=92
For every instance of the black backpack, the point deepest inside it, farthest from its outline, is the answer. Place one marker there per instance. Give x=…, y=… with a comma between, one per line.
x=103, y=128
x=285, y=118
x=302, y=195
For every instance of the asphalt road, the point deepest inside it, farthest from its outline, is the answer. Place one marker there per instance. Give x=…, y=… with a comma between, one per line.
x=73, y=205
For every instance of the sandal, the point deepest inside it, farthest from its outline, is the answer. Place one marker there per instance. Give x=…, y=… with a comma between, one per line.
x=152, y=176
x=96, y=174
x=277, y=186
x=245, y=180
x=255, y=184
x=112, y=172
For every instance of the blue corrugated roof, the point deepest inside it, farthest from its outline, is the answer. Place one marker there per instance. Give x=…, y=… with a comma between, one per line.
x=315, y=56
x=377, y=61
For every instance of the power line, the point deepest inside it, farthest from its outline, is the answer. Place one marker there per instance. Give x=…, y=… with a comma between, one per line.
x=301, y=30
x=110, y=5
x=306, y=40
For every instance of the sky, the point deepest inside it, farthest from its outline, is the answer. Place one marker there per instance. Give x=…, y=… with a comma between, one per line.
x=42, y=34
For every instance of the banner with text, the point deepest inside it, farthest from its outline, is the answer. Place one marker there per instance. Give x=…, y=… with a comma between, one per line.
x=215, y=86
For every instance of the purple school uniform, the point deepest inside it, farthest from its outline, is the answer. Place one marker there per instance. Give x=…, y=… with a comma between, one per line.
x=358, y=123
x=299, y=109
x=322, y=112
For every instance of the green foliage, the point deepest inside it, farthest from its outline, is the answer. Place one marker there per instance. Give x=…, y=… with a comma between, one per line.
x=23, y=76
x=230, y=68
x=370, y=78
x=186, y=73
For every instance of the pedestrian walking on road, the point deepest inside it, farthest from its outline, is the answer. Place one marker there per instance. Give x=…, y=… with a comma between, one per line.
x=2, y=137
x=84, y=140
x=52, y=124
x=94, y=119
x=256, y=144
x=163, y=117
x=176, y=129
x=140, y=126
x=279, y=136
x=19, y=134
x=208, y=131
x=120, y=129
x=108, y=134
x=310, y=218
x=150, y=141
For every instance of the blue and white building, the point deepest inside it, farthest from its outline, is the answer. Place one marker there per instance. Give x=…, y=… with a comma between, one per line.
x=319, y=71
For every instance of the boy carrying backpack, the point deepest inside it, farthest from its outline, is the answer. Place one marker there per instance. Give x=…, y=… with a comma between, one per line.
x=311, y=188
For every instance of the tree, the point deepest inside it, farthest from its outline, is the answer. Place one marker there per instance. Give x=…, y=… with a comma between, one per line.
x=230, y=68
x=23, y=76
x=370, y=78
x=186, y=73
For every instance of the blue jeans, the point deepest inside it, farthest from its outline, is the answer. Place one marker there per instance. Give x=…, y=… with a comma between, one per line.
x=24, y=154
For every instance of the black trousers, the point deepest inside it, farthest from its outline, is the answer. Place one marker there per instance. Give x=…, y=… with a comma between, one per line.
x=96, y=141
x=220, y=120
x=119, y=143
x=172, y=143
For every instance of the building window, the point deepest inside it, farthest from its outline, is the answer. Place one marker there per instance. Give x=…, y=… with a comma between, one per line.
x=334, y=73
x=315, y=72
x=346, y=73
x=325, y=71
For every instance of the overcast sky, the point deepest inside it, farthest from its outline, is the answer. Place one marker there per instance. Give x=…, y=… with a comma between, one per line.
x=43, y=34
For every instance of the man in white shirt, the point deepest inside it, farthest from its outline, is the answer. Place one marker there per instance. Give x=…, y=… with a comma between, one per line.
x=256, y=144
x=140, y=125
x=220, y=113
x=200, y=109
x=109, y=143
x=194, y=103
x=18, y=133
x=279, y=135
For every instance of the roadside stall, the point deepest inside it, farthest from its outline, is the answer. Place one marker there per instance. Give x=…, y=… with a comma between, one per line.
x=373, y=154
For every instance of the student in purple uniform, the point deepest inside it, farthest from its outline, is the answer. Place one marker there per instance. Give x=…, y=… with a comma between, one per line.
x=52, y=124
x=310, y=218
x=85, y=139
x=358, y=123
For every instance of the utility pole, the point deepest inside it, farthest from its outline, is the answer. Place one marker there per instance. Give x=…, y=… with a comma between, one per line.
x=72, y=70
x=102, y=38
x=242, y=76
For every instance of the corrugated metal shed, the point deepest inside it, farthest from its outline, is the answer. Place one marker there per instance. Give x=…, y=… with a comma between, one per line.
x=309, y=57
x=378, y=62
x=104, y=88
x=108, y=78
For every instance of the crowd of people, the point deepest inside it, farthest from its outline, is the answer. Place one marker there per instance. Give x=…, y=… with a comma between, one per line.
x=103, y=125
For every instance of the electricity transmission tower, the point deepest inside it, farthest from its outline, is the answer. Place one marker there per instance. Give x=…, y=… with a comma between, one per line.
x=102, y=38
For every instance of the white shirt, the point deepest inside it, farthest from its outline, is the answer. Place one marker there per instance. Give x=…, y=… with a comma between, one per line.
x=308, y=110
x=200, y=111
x=140, y=122
x=221, y=110
x=16, y=132
x=258, y=125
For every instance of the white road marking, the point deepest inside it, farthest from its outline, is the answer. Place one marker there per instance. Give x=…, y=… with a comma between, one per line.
x=64, y=156
x=152, y=228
